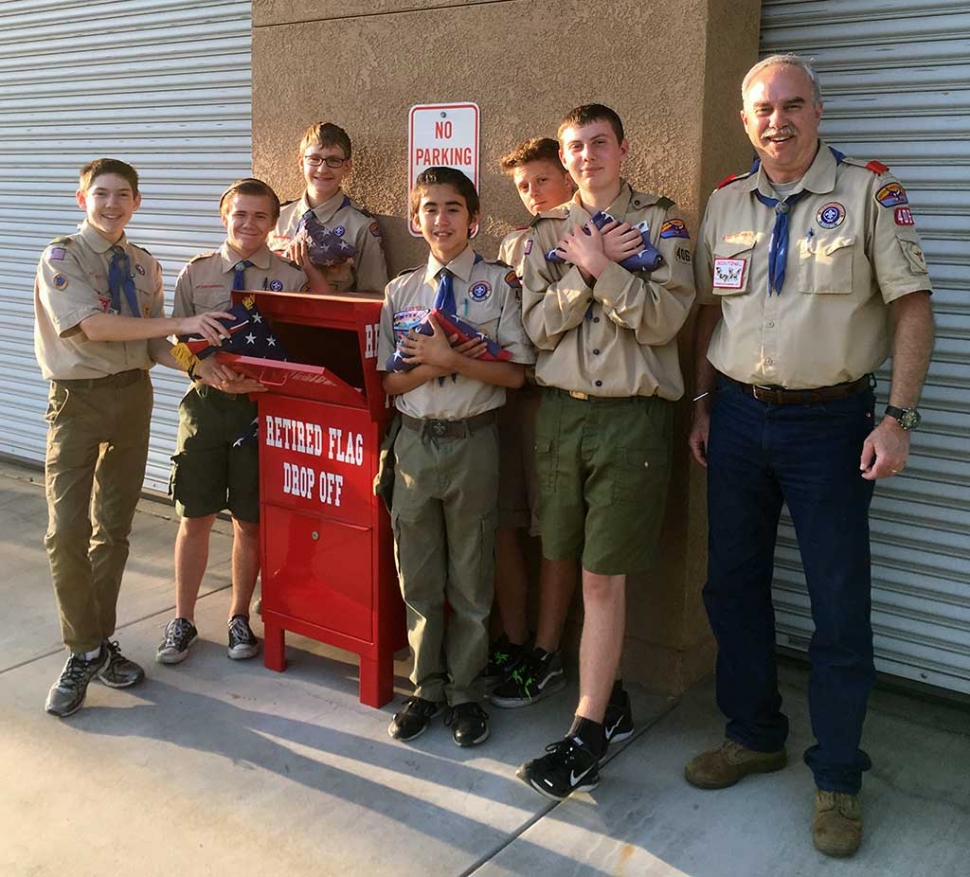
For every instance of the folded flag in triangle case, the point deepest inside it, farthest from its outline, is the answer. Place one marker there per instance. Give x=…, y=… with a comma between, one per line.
x=418, y=320
x=648, y=259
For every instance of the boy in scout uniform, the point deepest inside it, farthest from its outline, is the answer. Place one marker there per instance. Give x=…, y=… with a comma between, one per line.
x=810, y=272
x=446, y=453
x=520, y=671
x=98, y=328
x=211, y=469
x=609, y=370
x=325, y=159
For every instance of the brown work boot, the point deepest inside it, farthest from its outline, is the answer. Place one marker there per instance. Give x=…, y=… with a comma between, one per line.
x=724, y=766
x=837, y=827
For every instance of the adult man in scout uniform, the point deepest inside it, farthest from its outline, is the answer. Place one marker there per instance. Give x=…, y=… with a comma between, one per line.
x=809, y=271
x=608, y=365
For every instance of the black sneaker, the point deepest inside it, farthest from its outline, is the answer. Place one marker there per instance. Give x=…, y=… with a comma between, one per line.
x=503, y=657
x=569, y=767
x=618, y=721
x=242, y=641
x=119, y=672
x=469, y=724
x=180, y=633
x=67, y=694
x=414, y=718
x=538, y=676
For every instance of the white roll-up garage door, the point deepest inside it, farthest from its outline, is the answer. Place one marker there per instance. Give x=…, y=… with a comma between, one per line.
x=162, y=84
x=895, y=77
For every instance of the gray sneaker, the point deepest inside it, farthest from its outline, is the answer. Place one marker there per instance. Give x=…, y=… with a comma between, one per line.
x=67, y=694
x=119, y=672
x=180, y=633
x=242, y=641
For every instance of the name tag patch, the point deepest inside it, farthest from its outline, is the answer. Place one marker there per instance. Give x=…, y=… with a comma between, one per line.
x=729, y=273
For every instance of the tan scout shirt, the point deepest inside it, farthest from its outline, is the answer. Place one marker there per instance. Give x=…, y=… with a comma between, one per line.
x=852, y=249
x=205, y=283
x=486, y=295
x=72, y=284
x=512, y=249
x=627, y=346
x=367, y=271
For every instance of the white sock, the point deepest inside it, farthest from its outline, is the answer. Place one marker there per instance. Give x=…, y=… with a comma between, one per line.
x=90, y=656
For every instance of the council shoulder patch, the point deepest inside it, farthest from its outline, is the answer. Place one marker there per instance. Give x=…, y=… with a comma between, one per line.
x=892, y=195
x=512, y=279
x=674, y=228
x=374, y=229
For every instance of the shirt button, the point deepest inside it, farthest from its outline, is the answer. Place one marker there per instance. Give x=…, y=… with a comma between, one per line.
x=768, y=361
x=596, y=319
x=599, y=383
x=770, y=325
x=596, y=351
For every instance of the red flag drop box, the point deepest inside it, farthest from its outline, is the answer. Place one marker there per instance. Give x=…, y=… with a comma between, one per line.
x=327, y=548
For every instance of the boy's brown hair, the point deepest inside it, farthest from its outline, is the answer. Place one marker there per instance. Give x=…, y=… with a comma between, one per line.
x=589, y=113
x=536, y=149
x=325, y=134
x=250, y=186
x=94, y=169
x=446, y=176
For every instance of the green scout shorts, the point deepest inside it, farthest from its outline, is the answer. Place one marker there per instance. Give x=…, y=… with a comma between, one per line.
x=209, y=473
x=603, y=467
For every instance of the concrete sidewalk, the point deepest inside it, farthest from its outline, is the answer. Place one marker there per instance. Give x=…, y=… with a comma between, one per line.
x=216, y=767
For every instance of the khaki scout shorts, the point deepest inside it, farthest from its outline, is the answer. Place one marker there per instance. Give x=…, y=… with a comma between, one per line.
x=209, y=474
x=603, y=467
x=518, y=486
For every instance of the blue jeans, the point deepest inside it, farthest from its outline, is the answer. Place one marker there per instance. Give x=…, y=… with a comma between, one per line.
x=759, y=457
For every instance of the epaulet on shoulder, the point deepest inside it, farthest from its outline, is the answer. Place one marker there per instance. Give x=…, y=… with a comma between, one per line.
x=732, y=178
x=208, y=254
x=560, y=212
x=293, y=264
x=363, y=210
x=876, y=167
x=288, y=203
x=664, y=203
x=64, y=239
x=408, y=271
x=140, y=247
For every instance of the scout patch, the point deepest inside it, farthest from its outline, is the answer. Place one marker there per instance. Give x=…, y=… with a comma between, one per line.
x=892, y=195
x=480, y=291
x=729, y=273
x=374, y=229
x=528, y=246
x=276, y=285
x=512, y=279
x=56, y=254
x=339, y=231
x=830, y=215
x=904, y=216
x=140, y=269
x=59, y=281
x=674, y=228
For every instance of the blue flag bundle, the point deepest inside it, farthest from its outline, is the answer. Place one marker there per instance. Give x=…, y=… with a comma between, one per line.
x=418, y=320
x=326, y=249
x=648, y=259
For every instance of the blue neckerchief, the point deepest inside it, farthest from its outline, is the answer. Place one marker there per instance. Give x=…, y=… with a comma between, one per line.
x=239, y=274
x=119, y=278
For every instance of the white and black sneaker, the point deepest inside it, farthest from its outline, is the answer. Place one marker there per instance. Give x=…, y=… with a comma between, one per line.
x=180, y=633
x=242, y=641
x=618, y=721
x=569, y=767
x=538, y=676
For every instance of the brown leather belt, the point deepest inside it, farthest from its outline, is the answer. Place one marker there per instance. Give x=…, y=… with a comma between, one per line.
x=781, y=396
x=120, y=379
x=449, y=428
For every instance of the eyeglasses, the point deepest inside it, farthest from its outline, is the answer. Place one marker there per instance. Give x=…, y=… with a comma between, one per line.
x=330, y=161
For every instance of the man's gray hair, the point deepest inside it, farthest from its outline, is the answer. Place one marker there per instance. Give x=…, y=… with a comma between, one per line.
x=789, y=60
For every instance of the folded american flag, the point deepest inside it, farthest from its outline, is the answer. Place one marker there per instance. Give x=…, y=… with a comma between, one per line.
x=451, y=326
x=325, y=248
x=648, y=259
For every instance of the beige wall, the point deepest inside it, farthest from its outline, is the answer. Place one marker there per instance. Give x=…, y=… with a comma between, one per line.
x=671, y=69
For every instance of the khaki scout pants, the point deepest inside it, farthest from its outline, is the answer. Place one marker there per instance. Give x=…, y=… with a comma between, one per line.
x=444, y=514
x=97, y=446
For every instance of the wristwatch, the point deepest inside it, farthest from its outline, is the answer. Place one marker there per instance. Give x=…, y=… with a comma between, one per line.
x=908, y=418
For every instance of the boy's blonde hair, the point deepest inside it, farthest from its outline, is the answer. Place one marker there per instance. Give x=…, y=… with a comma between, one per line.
x=325, y=134
x=250, y=186
x=536, y=149
x=94, y=169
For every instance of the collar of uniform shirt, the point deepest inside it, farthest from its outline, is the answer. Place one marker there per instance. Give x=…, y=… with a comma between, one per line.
x=819, y=178
x=326, y=211
x=461, y=266
x=581, y=214
x=98, y=242
x=260, y=259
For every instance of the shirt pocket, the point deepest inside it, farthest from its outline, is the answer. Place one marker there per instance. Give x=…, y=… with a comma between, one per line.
x=825, y=265
x=732, y=268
